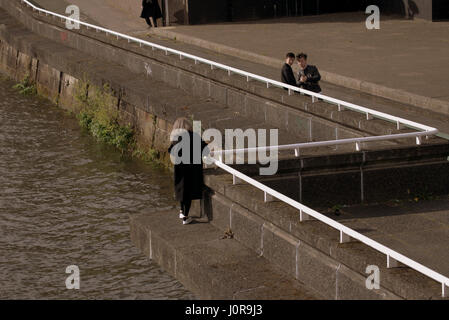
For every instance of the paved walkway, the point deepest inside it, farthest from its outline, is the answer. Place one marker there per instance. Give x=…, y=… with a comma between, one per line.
x=412, y=56
x=407, y=55
x=418, y=230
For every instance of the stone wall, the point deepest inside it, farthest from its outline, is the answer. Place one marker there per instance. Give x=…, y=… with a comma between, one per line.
x=60, y=86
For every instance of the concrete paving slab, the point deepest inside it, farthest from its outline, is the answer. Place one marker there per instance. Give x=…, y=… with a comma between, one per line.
x=417, y=230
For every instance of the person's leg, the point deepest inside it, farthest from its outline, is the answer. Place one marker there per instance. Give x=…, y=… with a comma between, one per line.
x=406, y=9
x=186, y=208
x=187, y=205
x=153, y=22
x=182, y=207
x=148, y=21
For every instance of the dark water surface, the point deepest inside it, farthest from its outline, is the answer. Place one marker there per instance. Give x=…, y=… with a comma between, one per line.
x=65, y=200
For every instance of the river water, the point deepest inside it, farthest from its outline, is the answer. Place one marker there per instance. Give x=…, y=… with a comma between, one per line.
x=65, y=199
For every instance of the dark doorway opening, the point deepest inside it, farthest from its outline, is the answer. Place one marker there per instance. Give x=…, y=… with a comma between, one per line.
x=440, y=9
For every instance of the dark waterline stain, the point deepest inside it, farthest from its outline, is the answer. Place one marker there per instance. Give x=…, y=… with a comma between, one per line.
x=65, y=200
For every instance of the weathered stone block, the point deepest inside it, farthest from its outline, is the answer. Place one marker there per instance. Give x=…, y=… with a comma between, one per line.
x=8, y=59
x=316, y=270
x=280, y=248
x=221, y=212
x=299, y=125
x=247, y=228
x=218, y=93
x=351, y=285
x=322, y=131
x=255, y=108
x=47, y=82
x=276, y=115
x=23, y=68
x=67, y=95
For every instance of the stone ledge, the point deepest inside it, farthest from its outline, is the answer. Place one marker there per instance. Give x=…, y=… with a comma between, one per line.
x=311, y=236
x=209, y=266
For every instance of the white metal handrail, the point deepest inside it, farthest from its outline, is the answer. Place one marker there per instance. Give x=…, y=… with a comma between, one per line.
x=345, y=232
x=298, y=146
x=393, y=257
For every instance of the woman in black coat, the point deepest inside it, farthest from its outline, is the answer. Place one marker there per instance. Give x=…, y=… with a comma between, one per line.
x=188, y=171
x=151, y=9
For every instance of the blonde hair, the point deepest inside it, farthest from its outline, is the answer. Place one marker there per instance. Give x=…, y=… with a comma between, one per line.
x=182, y=123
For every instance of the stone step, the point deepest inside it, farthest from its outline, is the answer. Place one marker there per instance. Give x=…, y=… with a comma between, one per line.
x=308, y=251
x=208, y=265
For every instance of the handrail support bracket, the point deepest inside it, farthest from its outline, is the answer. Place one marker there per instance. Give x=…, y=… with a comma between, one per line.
x=304, y=216
x=392, y=263
x=344, y=238
x=236, y=180
x=267, y=197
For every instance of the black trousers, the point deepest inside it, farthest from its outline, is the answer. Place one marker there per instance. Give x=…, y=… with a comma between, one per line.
x=147, y=19
x=185, y=206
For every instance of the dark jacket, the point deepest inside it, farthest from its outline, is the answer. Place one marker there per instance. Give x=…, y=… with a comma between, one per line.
x=188, y=177
x=313, y=79
x=287, y=75
x=150, y=8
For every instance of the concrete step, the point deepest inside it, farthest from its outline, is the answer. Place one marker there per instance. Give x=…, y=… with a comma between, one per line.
x=309, y=251
x=208, y=265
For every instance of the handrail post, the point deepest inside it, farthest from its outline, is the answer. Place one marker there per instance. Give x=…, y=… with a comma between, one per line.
x=236, y=180
x=297, y=153
x=344, y=238
x=418, y=140
x=304, y=216
x=392, y=263
x=267, y=197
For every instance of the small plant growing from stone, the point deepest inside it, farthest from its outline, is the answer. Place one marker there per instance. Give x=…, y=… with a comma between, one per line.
x=26, y=86
x=99, y=115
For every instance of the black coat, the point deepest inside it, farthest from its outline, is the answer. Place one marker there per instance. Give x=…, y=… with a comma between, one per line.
x=313, y=79
x=287, y=75
x=150, y=8
x=188, y=177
